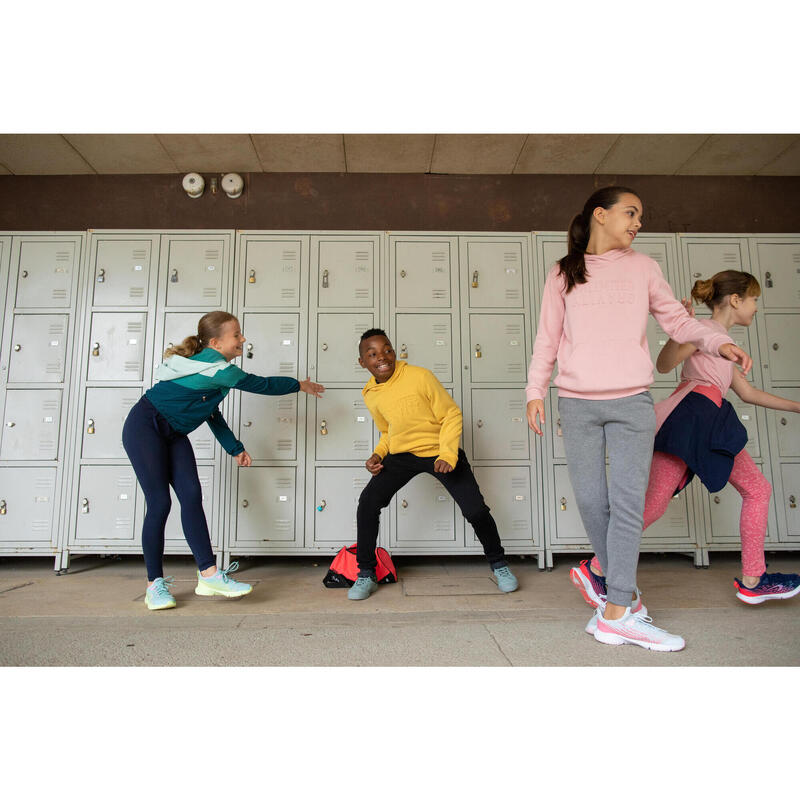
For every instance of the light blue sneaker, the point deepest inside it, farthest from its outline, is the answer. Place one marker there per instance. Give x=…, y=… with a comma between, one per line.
x=362, y=589
x=506, y=582
x=158, y=595
x=221, y=583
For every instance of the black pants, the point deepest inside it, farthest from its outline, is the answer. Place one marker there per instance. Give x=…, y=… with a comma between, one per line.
x=397, y=471
x=160, y=456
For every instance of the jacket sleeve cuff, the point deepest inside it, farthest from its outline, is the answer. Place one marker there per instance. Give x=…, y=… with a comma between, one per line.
x=450, y=458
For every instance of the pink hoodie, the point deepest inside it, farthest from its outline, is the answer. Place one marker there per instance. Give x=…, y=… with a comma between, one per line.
x=598, y=331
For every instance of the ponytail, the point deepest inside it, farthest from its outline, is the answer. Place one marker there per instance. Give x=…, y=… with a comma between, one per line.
x=573, y=265
x=730, y=281
x=188, y=347
x=209, y=327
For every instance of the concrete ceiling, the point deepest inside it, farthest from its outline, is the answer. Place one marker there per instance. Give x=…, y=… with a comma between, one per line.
x=460, y=154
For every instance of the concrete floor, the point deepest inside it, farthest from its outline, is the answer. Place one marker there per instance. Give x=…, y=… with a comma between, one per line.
x=443, y=612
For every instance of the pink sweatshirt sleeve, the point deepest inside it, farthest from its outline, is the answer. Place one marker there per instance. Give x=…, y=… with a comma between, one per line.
x=677, y=322
x=548, y=337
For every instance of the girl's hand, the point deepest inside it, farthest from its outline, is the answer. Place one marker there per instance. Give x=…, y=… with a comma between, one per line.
x=243, y=459
x=309, y=387
x=440, y=465
x=373, y=464
x=736, y=354
x=536, y=408
x=687, y=304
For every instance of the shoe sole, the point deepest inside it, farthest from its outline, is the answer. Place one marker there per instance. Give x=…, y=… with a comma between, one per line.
x=205, y=592
x=508, y=591
x=363, y=597
x=762, y=598
x=616, y=639
x=159, y=608
x=576, y=576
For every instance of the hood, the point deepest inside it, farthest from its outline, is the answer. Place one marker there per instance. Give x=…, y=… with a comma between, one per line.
x=181, y=367
x=373, y=385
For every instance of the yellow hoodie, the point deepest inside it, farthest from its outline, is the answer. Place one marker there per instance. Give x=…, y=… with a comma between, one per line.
x=414, y=414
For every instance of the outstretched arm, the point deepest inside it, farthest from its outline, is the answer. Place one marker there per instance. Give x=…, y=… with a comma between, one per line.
x=750, y=394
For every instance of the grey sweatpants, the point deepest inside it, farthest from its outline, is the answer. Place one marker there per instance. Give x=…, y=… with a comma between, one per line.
x=611, y=509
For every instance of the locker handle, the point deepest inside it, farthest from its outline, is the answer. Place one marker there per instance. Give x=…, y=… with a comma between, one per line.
x=247, y=424
x=480, y=423
x=323, y=428
x=324, y=346
x=10, y=424
x=90, y=426
x=2, y=507
x=783, y=421
x=322, y=505
x=697, y=274
x=768, y=279
x=24, y=273
x=717, y=500
x=245, y=503
x=775, y=346
x=475, y=279
x=250, y=350
x=563, y=503
x=85, y=505
x=324, y=279
x=17, y=348
x=101, y=276
x=252, y=278
x=174, y=277
x=404, y=504
x=402, y=273
x=792, y=501
x=96, y=349
x=403, y=351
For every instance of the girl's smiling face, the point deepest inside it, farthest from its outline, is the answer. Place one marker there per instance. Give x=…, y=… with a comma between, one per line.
x=229, y=342
x=621, y=222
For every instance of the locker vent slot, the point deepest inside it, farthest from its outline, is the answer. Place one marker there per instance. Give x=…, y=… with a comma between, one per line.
x=50, y=405
x=361, y=294
x=510, y=256
x=137, y=255
x=442, y=525
x=439, y=255
x=282, y=525
x=441, y=366
x=43, y=483
x=520, y=525
x=796, y=256
x=360, y=444
x=518, y=445
x=515, y=368
x=56, y=328
x=286, y=404
x=288, y=329
x=136, y=292
x=284, y=483
x=63, y=255
x=134, y=327
x=209, y=291
x=287, y=294
x=40, y=526
x=440, y=328
x=123, y=523
x=131, y=366
x=129, y=402
x=53, y=368
x=515, y=405
x=211, y=255
x=359, y=484
x=59, y=294
x=287, y=367
x=519, y=483
x=47, y=445
x=439, y=294
x=289, y=255
x=730, y=257
x=285, y=444
x=512, y=294
x=513, y=328
x=362, y=255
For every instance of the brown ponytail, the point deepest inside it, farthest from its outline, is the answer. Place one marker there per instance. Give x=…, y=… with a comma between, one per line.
x=730, y=281
x=573, y=266
x=209, y=327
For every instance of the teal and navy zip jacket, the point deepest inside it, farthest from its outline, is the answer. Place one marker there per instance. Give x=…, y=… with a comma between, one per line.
x=190, y=389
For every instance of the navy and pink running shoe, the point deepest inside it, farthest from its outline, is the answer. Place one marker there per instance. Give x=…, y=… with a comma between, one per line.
x=772, y=586
x=591, y=586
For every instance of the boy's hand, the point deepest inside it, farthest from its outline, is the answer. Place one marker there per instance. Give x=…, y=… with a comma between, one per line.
x=309, y=387
x=373, y=464
x=687, y=304
x=440, y=465
x=535, y=408
x=243, y=459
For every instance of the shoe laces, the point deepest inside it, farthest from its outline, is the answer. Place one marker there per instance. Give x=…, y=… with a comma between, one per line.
x=225, y=572
x=503, y=572
x=161, y=587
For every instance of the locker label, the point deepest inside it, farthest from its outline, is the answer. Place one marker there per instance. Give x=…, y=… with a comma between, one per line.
x=286, y=342
x=131, y=341
x=211, y=267
x=41, y=499
x=137, y=268
x=514, y=343
x=440, y=342
x=282, y=498
x=519, y=497
x=47, y=419
x=123, y=497
x=361, y=419
x=54, y=344
x=745, y=416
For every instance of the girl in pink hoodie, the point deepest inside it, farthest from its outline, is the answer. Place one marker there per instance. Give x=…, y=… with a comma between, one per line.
x=593, y=320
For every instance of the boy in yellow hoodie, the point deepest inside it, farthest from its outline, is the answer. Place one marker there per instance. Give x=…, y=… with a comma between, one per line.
x=420, y=427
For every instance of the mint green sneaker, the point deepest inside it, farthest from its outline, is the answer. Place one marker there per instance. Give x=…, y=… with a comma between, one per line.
x=158, y=595
x=362, y=589
x=506, y=582
x=221, y=583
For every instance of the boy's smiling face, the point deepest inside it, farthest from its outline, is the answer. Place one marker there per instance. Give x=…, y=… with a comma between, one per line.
x=377, y=355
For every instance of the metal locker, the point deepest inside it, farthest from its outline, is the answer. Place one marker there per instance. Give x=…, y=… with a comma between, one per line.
x=791, y=498
x=494, y=274
x=422, y=274
x=268, y=425
x=657, y=337
x=338, y=336
x=507, y=492
x=673, y=527
x=569, y=527
x=106, y=508
x=787, y=425
x=121, y=272
x=425, y=340
x=424, y=515
x=705, y=258
x=194, y=272
x=336, y=494
x=552, y=251
x=497, y=347
x=27, y=500
x=31, y=425
x=499, y=424
x=555, y=431
x=344, y=427
x=116, y=347
x=779, y=274
x=272, y=272
x=38, y=348
x=271, y=347
x=104, y=415
x=725, y=508
x=747, y=416
x=265, y=509
x=173, y=531
x=783, y=334
x=345, y=274
x=45, y=274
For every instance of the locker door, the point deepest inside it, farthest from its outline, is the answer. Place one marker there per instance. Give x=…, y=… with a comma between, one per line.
x=507, y=492
x=726, y=508
x=424, y=516
x=173, y=531
x=272, y=270
x=494, y=274
x=788, y=426
x=194, y=272
x=336, y=494
x=552, y=251
x=426, y=341
x=673, y=527
x=422, y=274
x=345, y=274
x=747, y=416
x=39, y=344
x=268, y=425
x=791, y=496
x=104, y=416
x=45, y=274
x=107, y=506
x=177, y=326
x=497, y=347
x=704, y=259
x=265, y=509
x=116, y=347
x=779, y=274
x=31, y=425
x=271, y=347
x=657, y=337
x=569, y=528
x=27, y=499
x=122, y=272
x=783, y=334
x=344, y=427
x=338, y=336
x=499, y=424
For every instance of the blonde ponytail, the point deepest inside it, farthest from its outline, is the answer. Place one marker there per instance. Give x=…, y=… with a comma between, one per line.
x=188, y=347
x=209, y=327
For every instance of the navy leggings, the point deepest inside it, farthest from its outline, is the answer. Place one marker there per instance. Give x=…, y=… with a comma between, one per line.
x=160, y=456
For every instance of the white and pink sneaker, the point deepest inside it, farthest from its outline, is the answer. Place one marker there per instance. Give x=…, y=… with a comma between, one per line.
x=636, y=629
x=638, y=608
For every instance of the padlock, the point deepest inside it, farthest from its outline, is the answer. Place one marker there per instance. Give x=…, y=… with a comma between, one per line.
x=250, y=350
x=403, y=352
x=24, y=273
x=323, y=428
x=475, y=279
x=321, y=506
x=85, y=506
x=324, y=279
x=775, y=346
x=245, y=503
x=792, y=501
x=717, y=500
x=402, y=273
x=90, y=426
x=252, y=278
x=480, y=423
x=17, y=348
x=768, y=279
x=783, y=421
x=101, y=276
x=2, y=507
x=563, y=503
x=404, y=504
x=174, y=276
x=96, y=349
x=477, y=351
